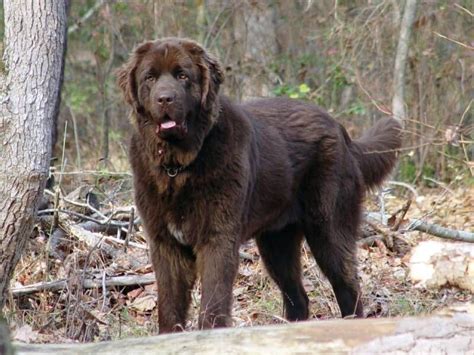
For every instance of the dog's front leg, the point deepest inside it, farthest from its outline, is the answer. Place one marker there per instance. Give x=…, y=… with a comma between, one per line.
x=217, y=262
x=175, y=274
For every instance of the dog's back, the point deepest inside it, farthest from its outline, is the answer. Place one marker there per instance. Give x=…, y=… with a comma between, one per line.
x=309, y=132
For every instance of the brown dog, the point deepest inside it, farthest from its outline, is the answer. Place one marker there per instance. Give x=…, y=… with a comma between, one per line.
x=210, y=174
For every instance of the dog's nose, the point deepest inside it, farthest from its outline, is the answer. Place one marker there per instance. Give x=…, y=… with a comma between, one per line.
x=166, y=98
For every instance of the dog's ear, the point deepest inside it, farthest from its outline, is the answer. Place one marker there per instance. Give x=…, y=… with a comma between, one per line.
x=212, y=75
x=212, y=78
x=126, y=75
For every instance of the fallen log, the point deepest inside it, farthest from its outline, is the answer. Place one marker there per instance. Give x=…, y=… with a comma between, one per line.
x=449, y=333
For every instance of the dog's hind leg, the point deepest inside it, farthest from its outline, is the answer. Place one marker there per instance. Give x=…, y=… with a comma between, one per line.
x=332, y=240
x=281, y=254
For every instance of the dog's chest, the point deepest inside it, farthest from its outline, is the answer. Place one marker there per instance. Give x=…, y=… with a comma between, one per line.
x=184, y=216
x=179, y=233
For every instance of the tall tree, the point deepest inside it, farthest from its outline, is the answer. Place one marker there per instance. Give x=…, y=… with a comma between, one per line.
x=35, y=41
x=398, y=101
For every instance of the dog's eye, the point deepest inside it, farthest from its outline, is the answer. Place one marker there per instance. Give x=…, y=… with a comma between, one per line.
x=149, y=78
x=182, y=76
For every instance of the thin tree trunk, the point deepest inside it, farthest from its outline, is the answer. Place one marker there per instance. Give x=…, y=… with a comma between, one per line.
x=35, y=38
x=103, y=70
x=398, y=102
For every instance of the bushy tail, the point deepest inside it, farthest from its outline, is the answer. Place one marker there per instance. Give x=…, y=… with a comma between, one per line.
x=376, y=150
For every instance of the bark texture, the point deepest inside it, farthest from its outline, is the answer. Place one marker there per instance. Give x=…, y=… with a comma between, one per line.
x=29, y=93
x=256, y=44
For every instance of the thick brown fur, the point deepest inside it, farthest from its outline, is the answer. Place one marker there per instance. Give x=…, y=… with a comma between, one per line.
x=278, y=170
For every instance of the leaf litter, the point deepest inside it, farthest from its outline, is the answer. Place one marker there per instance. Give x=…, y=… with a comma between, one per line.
x=75, y=313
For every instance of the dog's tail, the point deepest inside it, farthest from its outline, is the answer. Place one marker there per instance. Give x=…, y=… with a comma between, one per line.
x=376, y=151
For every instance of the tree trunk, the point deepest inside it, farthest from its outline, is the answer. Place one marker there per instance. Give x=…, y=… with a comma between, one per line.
x=398, y=102
x=35, y=38
x=255, y=33
x=450, y=333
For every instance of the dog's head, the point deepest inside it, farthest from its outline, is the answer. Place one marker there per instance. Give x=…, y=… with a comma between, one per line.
x=172, y=85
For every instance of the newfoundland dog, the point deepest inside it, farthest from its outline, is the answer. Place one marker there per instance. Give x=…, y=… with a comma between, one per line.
x=210, y=174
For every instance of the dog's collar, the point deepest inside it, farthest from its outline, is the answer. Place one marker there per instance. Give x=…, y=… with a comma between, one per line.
x=173, y=170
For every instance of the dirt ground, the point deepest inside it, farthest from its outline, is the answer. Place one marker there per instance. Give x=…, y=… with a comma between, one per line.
x=73, y=313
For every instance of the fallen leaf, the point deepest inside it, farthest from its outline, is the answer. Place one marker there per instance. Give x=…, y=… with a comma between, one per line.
x=143, y=304
x=134, y=293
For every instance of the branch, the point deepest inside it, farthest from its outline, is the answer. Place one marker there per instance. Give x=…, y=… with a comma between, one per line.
x=127, y=280
x=471, y=48
x=433, y=229
x=93, y=240
x=441, y=232
x=405, y=185
x=108, y=221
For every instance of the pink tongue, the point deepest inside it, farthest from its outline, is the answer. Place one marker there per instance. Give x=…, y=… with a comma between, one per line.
x=168, y=124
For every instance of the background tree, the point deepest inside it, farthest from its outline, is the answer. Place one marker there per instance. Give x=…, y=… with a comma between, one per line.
x=398, y=102
x=35, y=40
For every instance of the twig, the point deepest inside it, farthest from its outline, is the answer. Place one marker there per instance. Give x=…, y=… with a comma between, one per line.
x=130, y=229
x=441, y=232
x=104, y=290
x=464, y=9
x=376, y=228
x=463, y=144
x=433, y=229
x=94, y=172
x=81, y=233
x=405, y=185
x=94, y=240
x=404, y=211
x=63, y=159
x=88, y=218
x=131, y=244
x=386, y=237
x=247, y=256
x=454, y=41
x=465, y=112
x=76, y=137
x=439, y=184
x=81, y=204
x=369, y=241
x=105, y=220
x=86, y=16
x=127, y=280
x=379, y=107
x=56, y=210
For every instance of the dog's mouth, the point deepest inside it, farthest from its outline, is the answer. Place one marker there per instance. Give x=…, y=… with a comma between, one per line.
x=168, y=127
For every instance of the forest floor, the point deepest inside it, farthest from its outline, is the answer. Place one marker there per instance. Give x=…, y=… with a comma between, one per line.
x=73, y=313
